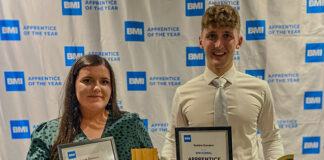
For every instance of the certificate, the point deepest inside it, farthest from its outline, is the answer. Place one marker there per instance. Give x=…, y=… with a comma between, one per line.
x=212, y=143
x=97, y=149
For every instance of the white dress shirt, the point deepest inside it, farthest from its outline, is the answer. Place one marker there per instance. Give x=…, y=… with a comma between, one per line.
x=250, y=108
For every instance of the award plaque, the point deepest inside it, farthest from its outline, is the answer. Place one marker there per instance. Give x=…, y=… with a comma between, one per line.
x=204, y=143
x=97, y=149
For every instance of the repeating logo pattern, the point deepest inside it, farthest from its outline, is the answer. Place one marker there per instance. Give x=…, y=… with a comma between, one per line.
x=15, y=81
x=9, y=30
x=136, y=81
x=195, y=56
x=72, y=7
x=256, y=30
x=195, y=7
x=315, y=6
x=72, y=53
x=313, y=100
x=20, y=129
x=145, y=121
x=311, y=145
x=134, y=31
x=314, y=52
x=259, y=73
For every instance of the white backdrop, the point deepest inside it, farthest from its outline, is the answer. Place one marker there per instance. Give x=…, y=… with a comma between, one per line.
x=153, y=48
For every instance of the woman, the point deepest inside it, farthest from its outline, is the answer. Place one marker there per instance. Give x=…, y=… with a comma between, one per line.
x=90, y=112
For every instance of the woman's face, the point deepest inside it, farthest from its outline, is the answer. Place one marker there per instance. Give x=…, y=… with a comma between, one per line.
x=93, y=88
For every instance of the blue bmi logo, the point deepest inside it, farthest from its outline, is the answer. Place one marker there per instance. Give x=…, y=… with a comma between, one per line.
x=145, y=121
x=9, y=30
x=256, y=30
x=72, y=53
x=258, y=73
x=136, y=81
x=71, y=155
x=187, y=138
x=134, y=31
x=311, y=145
x=195, y=56
x=314, y=52
x=15, y=81
x=19, y=129
x=195, y=7
x=315, y=6
x=72, y=7
x=313, y=100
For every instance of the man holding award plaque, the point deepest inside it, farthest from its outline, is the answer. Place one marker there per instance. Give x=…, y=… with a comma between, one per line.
x=223, y=96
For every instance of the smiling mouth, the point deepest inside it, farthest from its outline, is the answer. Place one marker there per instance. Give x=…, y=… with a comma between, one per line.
x=95, y=96
x=219, y=53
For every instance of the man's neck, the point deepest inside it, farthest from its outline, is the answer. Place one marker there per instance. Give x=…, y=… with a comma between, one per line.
x=220, y=71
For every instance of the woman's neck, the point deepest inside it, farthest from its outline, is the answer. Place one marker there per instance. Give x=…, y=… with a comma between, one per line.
x=93, y=125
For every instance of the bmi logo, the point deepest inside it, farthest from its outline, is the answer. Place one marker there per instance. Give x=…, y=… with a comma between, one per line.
x=311, y=145
x=72, y=53
x=145, y=121
x=134, y=31
x=187, y=138
x=195, y=56
x=19, y=129
x=314, y=52
x=195, y=7
x=136, y=81
x=15, y=81
x=258, y=73
x=71, y=155
x=315, y=6
x=256, y=30
x=313, y=100
x=72, y=7
x=9, y=30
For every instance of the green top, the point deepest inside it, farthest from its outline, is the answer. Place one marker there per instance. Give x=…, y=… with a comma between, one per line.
x=128, y=132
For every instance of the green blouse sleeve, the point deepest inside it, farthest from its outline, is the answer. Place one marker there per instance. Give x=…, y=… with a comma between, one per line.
x=129, y=132
x=42, y=140
x=143, y=134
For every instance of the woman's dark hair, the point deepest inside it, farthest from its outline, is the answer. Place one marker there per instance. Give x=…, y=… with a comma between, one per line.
x=71, y=117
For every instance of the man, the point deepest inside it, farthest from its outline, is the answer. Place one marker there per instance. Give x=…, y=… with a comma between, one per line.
x=249, y=101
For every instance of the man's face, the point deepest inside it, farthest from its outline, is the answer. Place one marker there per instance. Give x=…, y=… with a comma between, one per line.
x=219, y=45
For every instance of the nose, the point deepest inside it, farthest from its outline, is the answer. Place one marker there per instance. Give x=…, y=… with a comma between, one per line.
x=96, y=87
x=218, y=43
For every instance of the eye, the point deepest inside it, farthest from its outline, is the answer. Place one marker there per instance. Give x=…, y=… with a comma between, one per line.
x=211, y=36
x=105, y=81
x=86, y=81
x=227, y=36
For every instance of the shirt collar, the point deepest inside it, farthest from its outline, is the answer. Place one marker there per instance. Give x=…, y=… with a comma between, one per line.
x=209, y=76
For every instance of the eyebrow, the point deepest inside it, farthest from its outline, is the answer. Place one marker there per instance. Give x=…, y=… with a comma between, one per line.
x=222, y=32
x=92, y=77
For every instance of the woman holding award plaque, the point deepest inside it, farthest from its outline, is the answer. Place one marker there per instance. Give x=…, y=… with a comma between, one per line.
x=90, y=112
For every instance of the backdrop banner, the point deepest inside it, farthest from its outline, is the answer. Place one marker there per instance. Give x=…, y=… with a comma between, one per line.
x=153, y=48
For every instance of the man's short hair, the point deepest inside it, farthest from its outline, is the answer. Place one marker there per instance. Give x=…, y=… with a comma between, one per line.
x=221, y=16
